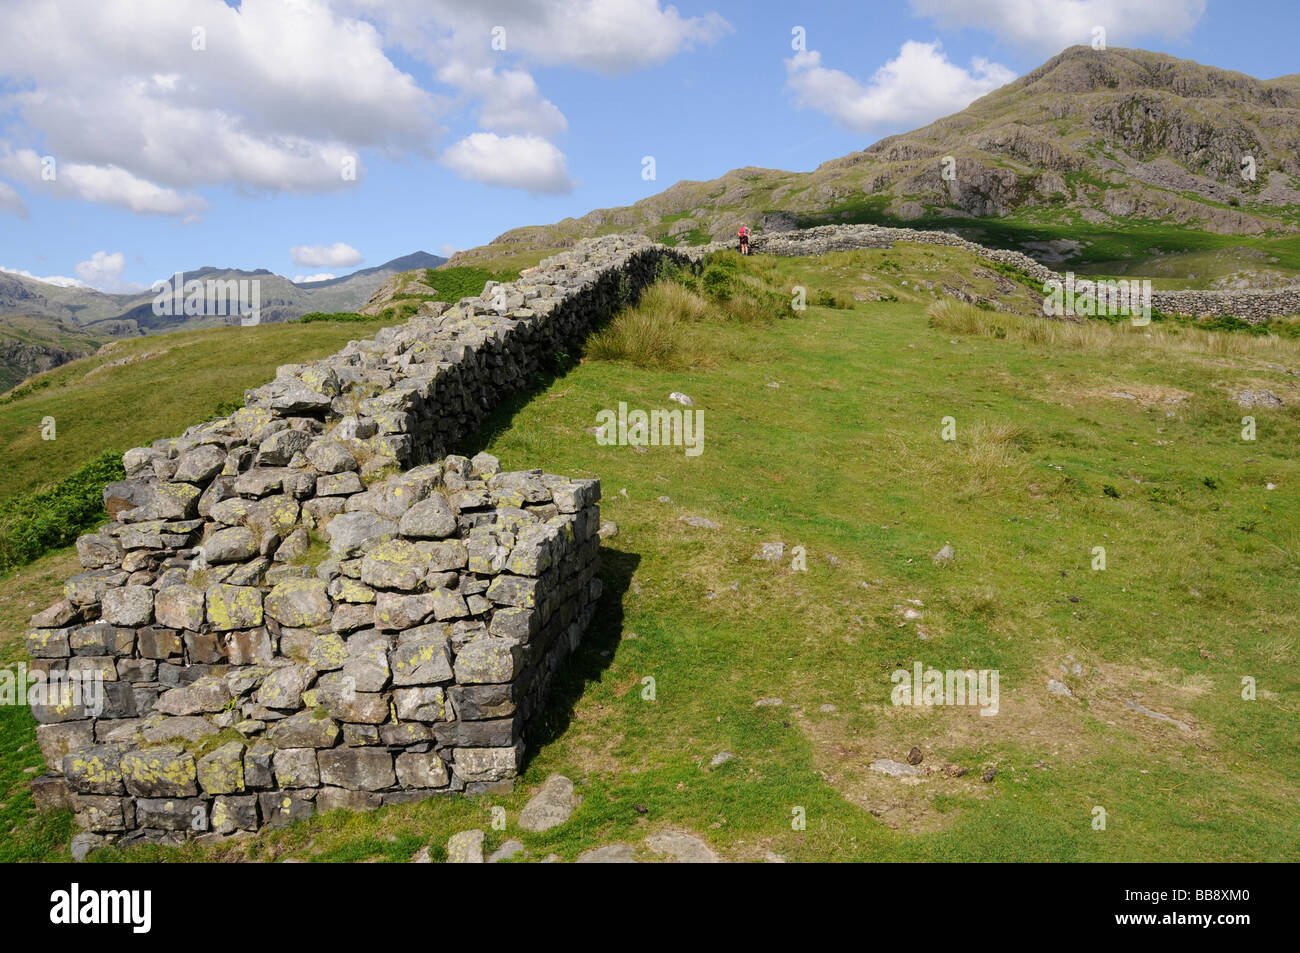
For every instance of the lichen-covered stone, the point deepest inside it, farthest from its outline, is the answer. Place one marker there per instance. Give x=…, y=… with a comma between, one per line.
x=367, y=661
x=420, y=657
x=222, y=771
x=487, y=660
x=394, y=564
x=162, y=771
x=234, y=607
x=231, y=545
x=179, y=607
x=424, y=770
x=300, y=603
x=312, y=728
x=95, y=770
x=128, y=606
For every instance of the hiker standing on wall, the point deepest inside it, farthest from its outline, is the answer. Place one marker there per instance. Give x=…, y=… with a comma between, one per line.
x=744, y=240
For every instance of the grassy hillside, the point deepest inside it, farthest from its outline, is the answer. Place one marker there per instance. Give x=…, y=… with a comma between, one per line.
x=144, y=389
x=823, y=430
x=31, y=345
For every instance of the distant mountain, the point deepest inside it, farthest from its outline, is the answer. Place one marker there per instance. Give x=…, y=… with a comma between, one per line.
x=1102, y=138
x=115, y=315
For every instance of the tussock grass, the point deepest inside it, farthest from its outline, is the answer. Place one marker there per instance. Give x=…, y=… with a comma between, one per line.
x=687, y=321
x=958, y=317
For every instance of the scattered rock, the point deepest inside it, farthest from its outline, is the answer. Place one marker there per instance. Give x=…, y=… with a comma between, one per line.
x=465, y=848
x=721, y=758
x=1059, y=688
x=699, y=521
x=989, y=775
x=915, y=756
x=768, y=703
x=681, y=399
x=609, y=854
x=896, y=769
x=1158, y=716
x=507, y=850
x=681, y=847
x=549, y=807
x=1258, y=398
x=945, y=555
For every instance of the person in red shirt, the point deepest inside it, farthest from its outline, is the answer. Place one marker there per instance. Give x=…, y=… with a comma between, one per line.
x=744, y=240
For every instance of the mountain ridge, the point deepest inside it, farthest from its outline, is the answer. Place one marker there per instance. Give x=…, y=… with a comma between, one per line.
x=1093, y=138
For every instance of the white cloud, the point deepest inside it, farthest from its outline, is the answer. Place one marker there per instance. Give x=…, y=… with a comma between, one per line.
x=338, y=255
x=446, y=250
x=101, y=268
x=58, y=280
x=1054, y=24
x=11, y=201
x=516, y=162
x=282, y=94
x=304, y=279
x=914, y=88
x=510, y=99
x=109, y=184
x=609, y=36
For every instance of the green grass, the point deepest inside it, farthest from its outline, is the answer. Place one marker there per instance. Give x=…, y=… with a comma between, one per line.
x=843, y=456
x=1167, y=253
x=168, y=383
x=454, y=283
x=33, y=524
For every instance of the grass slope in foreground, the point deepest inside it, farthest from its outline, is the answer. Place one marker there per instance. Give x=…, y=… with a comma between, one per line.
x=823, y=430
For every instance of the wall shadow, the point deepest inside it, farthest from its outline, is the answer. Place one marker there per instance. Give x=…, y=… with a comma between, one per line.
x=587, y=665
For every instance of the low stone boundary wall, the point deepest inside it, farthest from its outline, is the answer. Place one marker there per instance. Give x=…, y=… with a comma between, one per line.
x=1254, y=307
x=248, y=676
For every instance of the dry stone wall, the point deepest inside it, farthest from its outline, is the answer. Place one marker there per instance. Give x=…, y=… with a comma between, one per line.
x=249, y=675
x=1254, y=307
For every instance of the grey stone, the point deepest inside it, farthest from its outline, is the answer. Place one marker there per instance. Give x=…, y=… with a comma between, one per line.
x=549, y=807
x=465, y=848
x=350, y=533
x=609, y=854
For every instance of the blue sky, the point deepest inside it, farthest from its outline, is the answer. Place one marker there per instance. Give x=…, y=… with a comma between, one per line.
x=170, y=156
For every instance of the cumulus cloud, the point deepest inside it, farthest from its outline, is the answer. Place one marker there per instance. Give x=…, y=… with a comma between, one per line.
x=101, y=268
x=1052, y=25
x=280, y=97
x=517, y=162
x=609, y=36
x=108, y=184
x=338, y=255
x=306, y=279
x=57, y=280
x=11, y=201
x=914, y=88
x=509, y=99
